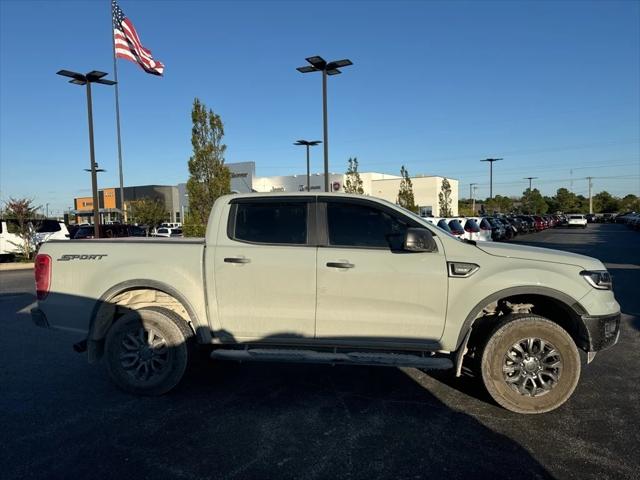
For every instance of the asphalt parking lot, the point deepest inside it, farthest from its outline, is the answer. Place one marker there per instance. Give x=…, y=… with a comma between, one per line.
x=62, y=418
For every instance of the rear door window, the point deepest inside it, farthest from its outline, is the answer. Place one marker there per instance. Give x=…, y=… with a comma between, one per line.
x=282, y=223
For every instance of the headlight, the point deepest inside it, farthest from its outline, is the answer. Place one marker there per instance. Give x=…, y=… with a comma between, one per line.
x=600, y=279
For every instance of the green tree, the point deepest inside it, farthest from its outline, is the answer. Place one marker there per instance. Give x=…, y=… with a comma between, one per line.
x=353, y=183
x=148, y=211
x=533, y=203
x=604, y=202
x=582, y=204
x=23, y=212
x=465, y=208
x=566, y=201
x=405, y=194
x=499, y=204
x=444, y=199
x=209, y=177
x=630, y=203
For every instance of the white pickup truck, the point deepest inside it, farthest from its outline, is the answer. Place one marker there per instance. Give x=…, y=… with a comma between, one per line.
x=331, y=278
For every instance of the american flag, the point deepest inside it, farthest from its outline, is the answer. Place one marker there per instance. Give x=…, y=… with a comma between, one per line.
x=128, y=44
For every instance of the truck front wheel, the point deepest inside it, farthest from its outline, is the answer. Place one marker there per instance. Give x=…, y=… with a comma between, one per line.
x=530, y=364
x=147, y=351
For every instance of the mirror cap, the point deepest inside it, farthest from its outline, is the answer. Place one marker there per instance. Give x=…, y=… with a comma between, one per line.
x=419, y=240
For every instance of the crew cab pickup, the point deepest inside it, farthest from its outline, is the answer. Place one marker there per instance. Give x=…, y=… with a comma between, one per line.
x=331, y=278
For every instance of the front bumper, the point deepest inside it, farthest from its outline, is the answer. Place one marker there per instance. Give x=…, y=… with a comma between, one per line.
x=601, y=331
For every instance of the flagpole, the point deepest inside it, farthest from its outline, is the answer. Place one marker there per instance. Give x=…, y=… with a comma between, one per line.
x=115, y=76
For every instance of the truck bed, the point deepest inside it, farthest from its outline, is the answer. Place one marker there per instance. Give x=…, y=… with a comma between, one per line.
x=85, y=273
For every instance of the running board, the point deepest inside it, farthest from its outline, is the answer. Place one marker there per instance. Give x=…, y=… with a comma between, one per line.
x=352, y=358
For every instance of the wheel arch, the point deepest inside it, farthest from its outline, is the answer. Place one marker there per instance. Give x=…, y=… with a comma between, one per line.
x=556, y=306
x=105, y=311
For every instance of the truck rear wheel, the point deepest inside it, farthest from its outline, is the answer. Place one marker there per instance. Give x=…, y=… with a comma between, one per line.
x=147, y=351
x=530, y=364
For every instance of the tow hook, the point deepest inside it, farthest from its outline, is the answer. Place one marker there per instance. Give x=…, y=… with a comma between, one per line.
x=80, y=347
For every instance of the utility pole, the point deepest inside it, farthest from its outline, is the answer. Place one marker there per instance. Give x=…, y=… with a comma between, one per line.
x=530, y=178
x=472, y=188
x=590, y=198
x=491, y=160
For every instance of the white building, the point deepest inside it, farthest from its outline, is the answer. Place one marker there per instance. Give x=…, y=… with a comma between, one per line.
x=382, y=185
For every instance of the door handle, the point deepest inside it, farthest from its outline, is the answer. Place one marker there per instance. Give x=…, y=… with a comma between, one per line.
x=237, y=260
x=340, y=265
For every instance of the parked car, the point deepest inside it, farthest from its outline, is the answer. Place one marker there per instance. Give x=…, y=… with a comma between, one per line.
x=50, y=230
x=167, y=232
x=507, y=228
x=577, y=221
x=10, y=242
x=456, y=228
x=363, y=283
x=109, y=231
x=497, y=229
x=485, y=229
x=471, y=228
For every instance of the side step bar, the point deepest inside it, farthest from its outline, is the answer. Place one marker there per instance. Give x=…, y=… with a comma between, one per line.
x=352, y=358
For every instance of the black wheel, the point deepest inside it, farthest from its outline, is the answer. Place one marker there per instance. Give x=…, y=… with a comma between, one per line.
x=530, y=364
x=147, y=351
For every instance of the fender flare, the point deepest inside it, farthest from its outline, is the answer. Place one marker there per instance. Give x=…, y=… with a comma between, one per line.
x=465, y=331
x=203, y=334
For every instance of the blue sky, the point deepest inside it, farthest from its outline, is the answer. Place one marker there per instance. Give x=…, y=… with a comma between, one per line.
x=553, y=87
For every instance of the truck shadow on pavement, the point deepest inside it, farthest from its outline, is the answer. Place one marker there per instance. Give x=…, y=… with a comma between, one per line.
x=242, y=421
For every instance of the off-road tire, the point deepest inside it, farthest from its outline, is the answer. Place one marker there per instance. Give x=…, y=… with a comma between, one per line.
x=177, y=337
x=510, y=331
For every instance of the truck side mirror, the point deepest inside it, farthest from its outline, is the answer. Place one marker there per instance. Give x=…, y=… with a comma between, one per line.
x=419, y=240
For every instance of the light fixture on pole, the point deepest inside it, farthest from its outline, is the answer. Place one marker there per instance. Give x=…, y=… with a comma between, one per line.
x=308, y=144
x=491, y=160
x=319, y=64
x=94, y=76
x=529, y=178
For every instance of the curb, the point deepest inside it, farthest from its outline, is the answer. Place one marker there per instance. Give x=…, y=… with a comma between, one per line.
x=7, y=267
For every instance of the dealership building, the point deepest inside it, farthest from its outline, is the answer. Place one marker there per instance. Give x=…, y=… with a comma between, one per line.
x=244, y=180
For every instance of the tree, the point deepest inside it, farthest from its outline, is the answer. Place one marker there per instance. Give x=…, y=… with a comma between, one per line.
x=604, y=202
x=22, y=212
x=533, y=203
x=148, y=211
x=209, y=177
x=630, y=203
x=499, y=204
x=444, y=199
x=405, y=194
x=353, y=183
x=566, y=201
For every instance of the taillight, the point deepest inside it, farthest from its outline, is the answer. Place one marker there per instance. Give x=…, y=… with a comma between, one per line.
x=467, y=229
x=43, y=275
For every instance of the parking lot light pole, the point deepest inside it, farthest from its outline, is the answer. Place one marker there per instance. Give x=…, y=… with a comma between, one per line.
x=491, y=160
x=94, y=76
x=308, y=144
x=319, y=64
x=529, y=178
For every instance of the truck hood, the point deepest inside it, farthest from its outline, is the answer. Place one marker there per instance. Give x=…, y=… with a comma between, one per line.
x=540, y=254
